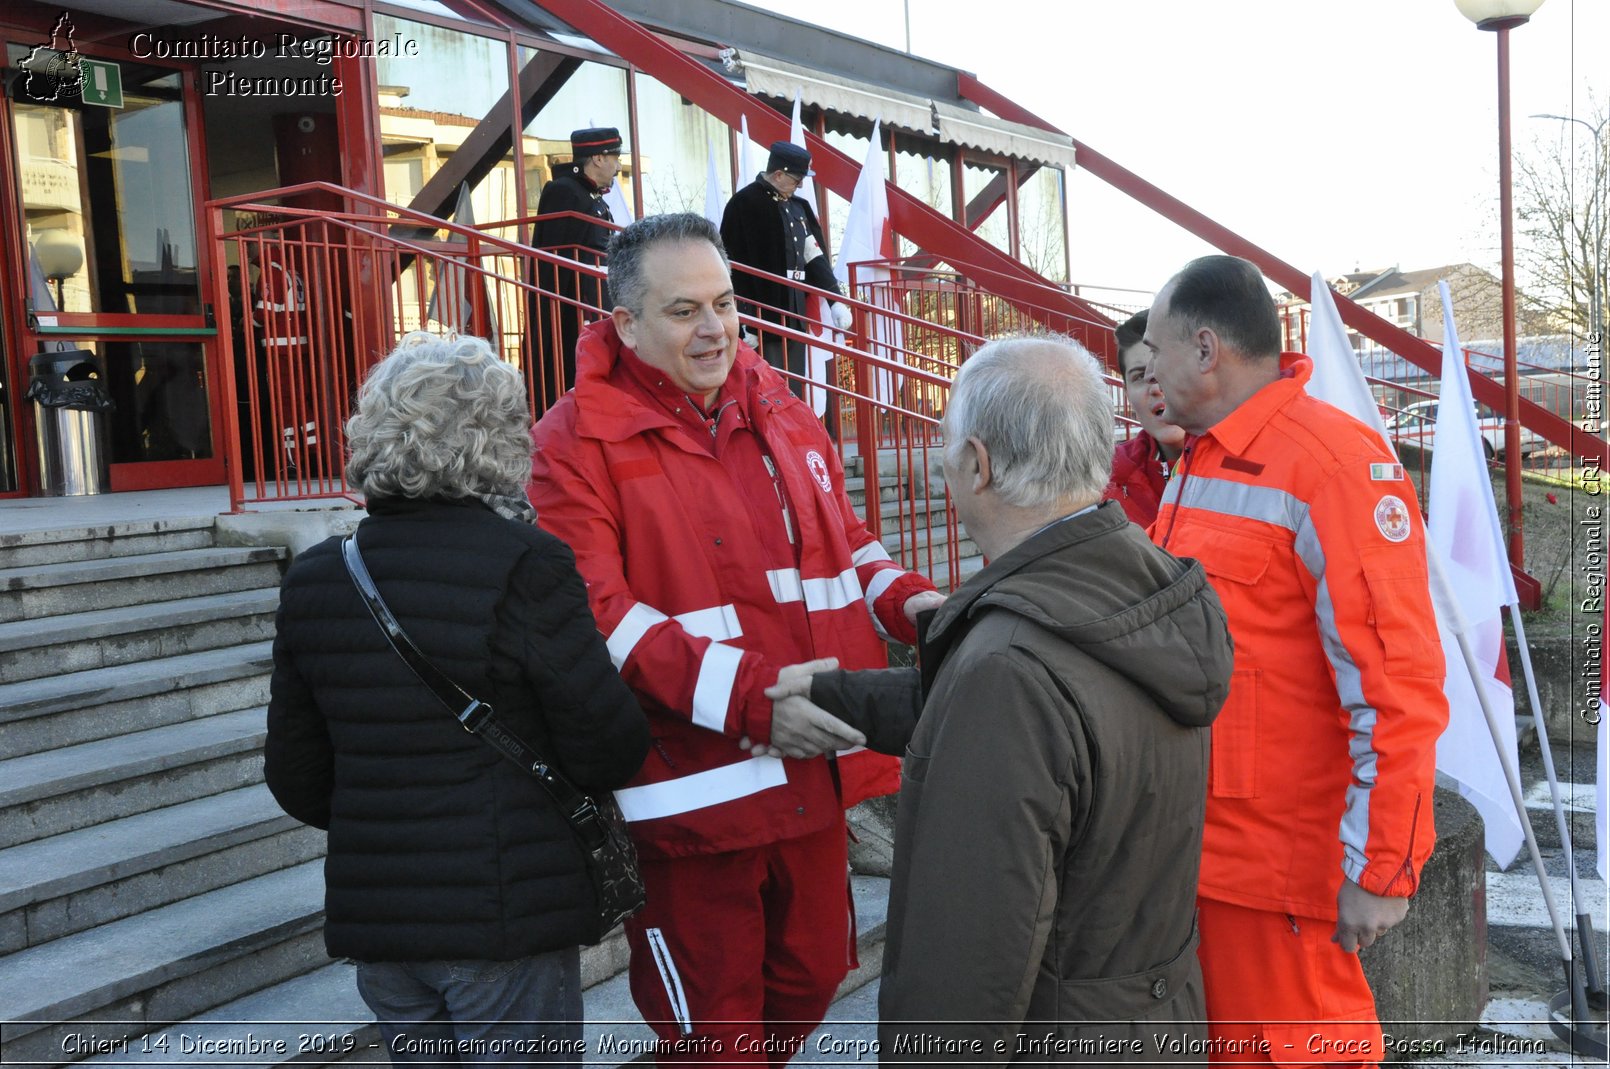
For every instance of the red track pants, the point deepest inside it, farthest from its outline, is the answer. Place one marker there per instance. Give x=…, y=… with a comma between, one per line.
x=737, y=955
x=1280, y=992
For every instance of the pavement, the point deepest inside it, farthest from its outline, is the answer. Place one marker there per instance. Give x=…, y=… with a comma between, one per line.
x=1524, y=959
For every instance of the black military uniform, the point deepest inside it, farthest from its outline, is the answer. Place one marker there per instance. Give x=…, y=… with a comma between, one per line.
x=559, y=321
x=763, y=229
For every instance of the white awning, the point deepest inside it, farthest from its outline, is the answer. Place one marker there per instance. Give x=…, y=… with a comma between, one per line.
x=779, y=78
x=958, y=126
x=950, y=123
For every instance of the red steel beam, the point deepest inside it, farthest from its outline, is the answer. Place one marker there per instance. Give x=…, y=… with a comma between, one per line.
x=913, y=219
x=1556, y=429
x=1553, y=427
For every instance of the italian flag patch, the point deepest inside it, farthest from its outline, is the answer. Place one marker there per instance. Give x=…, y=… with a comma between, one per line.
x=1386, y=473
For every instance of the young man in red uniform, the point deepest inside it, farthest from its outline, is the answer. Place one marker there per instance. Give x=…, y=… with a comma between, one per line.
x=1141, y=465
x=1319, y=810
x=707, y=511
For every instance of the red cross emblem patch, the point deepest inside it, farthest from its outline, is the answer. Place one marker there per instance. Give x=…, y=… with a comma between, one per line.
x=1392, y=518
x=818, y=469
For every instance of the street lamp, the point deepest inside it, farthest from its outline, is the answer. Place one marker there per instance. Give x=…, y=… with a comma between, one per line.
x=1596, y=222
x=1501, y=16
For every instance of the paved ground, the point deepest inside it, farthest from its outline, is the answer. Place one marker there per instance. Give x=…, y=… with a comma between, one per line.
x=1523, y=956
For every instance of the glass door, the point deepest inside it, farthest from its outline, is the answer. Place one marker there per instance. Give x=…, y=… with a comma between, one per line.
x=108, y=199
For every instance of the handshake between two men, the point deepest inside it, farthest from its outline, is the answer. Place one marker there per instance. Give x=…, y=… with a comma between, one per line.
x=799, y=727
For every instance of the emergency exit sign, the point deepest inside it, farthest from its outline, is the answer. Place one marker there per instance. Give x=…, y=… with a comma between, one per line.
x=103, y=83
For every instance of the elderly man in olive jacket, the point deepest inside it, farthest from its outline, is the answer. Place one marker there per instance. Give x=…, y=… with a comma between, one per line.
x=1056, y=749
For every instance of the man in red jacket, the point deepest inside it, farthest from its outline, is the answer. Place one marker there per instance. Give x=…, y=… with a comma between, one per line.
x=707, y=511
x=1323, y=759
x=1141, y=465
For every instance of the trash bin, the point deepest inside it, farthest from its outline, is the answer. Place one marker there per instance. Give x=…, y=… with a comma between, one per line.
x=71, y=401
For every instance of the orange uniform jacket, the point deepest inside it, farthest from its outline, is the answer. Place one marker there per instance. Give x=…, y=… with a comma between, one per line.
x=1323, y=759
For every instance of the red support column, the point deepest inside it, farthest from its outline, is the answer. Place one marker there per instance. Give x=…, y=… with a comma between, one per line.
x=1512, y=383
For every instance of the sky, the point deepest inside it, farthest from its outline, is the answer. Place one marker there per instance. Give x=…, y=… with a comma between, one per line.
x=1338, y=136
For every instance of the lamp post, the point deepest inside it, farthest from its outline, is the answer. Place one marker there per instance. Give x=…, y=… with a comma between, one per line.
x=1596, y=221
x=1501, y=16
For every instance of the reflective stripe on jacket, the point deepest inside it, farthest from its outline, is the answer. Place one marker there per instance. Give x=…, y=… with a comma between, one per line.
x=1324, y=756
x=691, y=609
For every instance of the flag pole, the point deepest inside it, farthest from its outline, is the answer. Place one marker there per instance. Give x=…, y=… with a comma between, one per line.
x=1579, y=1000
x=1584, y=920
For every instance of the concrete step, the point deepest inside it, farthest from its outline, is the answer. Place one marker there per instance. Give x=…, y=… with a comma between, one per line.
x=168, y=964
x=315, y=1018
x=35, y=591
x=319, y=1018
x=931, y=546
x=78, y=707
x=855, y=488
x=54, y=887
x=939, y=572
x=98, y=541
x=61, y=790
x=132, y=633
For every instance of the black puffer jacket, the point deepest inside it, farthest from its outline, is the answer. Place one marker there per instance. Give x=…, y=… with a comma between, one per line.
x=440, y=847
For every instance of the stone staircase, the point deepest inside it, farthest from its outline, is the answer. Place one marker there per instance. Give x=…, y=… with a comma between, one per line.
x=153, y=897
x=145, y=873
x=911, y=493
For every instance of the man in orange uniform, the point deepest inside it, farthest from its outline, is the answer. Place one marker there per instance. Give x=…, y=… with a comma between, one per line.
x=1319, y=795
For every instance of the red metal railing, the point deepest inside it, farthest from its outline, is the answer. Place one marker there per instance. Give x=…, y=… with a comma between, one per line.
x=335, y=289
x=1562, y=391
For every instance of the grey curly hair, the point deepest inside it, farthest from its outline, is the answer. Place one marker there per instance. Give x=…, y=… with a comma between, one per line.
x=440, y=416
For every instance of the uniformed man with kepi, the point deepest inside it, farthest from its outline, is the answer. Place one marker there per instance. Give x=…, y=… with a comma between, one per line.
x=579, y=187
x=767, y=226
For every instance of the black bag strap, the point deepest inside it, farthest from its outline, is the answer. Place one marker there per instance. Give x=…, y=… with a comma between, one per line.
x=474, y=715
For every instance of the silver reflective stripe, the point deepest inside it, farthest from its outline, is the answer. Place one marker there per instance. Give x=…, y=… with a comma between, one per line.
x=819, y=595
x=1263, y=503
x=869, y=554
x=718, y=674
x=671, y=979
x=785, y=585
x=834, y=592
x=702, y=789
x=881, y=581
x=1361, y=720
x=638, y=619
x=719, y=622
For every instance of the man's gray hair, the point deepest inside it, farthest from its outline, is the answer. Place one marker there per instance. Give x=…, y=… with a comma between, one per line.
x=440, y=417
x=1040, y=405
x=628, y=286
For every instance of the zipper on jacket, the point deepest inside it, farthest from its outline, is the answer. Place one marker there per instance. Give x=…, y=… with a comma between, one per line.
x=782, y=499
x=1184, y=473
x=660, y=747
x=1293, y=922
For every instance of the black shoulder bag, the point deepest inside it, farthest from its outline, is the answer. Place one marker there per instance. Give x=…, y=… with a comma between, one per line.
x=600, y=829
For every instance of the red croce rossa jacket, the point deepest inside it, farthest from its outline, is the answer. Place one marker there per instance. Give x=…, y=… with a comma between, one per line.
x=696, y=622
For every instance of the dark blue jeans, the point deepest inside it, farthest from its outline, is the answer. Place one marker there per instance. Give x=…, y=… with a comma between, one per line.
x=478, y=1012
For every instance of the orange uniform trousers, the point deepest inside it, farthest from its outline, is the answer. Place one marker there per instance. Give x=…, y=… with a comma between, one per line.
x=1279, y=992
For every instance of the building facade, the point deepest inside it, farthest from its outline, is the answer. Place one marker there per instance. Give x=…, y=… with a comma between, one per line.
x=122, y=119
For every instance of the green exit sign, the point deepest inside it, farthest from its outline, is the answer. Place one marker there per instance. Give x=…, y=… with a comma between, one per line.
x=103, y=83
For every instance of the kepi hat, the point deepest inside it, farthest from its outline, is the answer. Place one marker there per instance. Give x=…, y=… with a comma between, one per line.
x=594, y=141
x=787, y=156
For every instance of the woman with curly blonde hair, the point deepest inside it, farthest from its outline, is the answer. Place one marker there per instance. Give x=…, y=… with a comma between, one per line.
x=452, y=879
